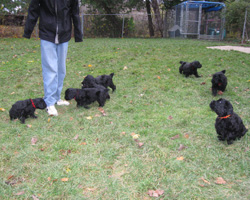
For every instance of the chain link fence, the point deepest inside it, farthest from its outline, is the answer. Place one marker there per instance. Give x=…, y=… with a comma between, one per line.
x=133, y=25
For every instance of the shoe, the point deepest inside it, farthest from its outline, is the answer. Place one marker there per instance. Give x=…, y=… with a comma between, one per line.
x=62, y=103
x=51, y=110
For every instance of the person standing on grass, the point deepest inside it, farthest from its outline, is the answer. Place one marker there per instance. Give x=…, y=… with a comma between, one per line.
x=55, y=27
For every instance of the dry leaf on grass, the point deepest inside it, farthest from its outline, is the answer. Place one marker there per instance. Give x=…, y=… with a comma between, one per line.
x=182, y=147
x=186, y=135
x=220, y=181
x=33, y=141
x=203, y=83
x=2, y=109
x=175, y=137
x=64, y=179
x=29, y=126
x=102, y=111
x=19, y=193
x=220, y=93
x=140, y=144
x=34, y=197
x=180, y=158
x=170, y=117
x=155, y=193
x=76, y=137
x=205, y=181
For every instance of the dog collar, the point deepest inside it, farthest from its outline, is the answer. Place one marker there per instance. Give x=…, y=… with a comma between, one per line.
x=33, y=103
x=225, y=117
x=77, y=91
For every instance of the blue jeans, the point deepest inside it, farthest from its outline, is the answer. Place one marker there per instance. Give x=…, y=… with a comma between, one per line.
x=53, y=58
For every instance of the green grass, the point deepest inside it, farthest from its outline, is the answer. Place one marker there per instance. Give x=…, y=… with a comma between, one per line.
x=105, y=162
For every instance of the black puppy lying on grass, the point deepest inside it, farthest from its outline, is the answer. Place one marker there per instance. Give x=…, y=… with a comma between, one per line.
x=228, y=124
x=219, y=82
x=23, y=109
x=103, y=80
x=189, y=68
x=86, y=96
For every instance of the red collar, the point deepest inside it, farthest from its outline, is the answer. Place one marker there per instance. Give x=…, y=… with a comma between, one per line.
x=77, y=92
x=33, y=103
x=225, y=117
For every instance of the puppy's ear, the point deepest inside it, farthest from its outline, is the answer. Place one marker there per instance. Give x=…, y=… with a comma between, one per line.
x=223, y=71
x=112, y=74
x=181, y=62
x=229, y=107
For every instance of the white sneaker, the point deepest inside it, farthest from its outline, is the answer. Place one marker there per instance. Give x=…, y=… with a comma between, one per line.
x=51, y=110
x=62, y=103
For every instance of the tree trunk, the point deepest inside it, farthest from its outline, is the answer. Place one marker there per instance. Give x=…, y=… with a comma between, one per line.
x=150, y=21
x=157, y=16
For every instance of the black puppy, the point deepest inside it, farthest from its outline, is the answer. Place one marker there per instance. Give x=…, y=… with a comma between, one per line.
x=104, y=80
x=228, y=124
x=86, y=96
x=23, y=109
x=189, y=68
x=219, y=82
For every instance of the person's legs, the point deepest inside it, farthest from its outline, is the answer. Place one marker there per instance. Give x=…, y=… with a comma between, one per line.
x=61, y=63
x=50, y=71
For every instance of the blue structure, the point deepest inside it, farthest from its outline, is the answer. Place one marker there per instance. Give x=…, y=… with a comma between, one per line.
x=200, y=19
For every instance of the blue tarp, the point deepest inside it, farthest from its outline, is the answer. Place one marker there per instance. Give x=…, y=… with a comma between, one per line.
x=206, y=5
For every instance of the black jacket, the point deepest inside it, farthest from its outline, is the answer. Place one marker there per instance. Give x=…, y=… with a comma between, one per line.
x=55, y=17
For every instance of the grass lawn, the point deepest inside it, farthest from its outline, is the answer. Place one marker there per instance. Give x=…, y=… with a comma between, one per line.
x=82, y=154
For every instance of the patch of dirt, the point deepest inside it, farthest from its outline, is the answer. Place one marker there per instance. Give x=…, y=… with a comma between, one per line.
x=229, y=48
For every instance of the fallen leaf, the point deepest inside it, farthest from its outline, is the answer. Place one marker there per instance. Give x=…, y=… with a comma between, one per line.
x=140, y=144
x=89, y=117
x=71, y=118
x=205, y=181
x=29, y=126
x=203, y=83
x=33, y=141
x=34, y=197
x=49, y=179
x=236, y=102
x=125, y=67
x=49, y=120
x=89, y=65
x=136, y=136
x=83, y=143
x=180, y=158
x=186, y=135
x=182, y=147
x=220, y=181
x=12, y=93
x=123, y=133
x=2, y=109
x=169, y=69
x=236, y=87
x=19, y=193
x=220, y=93
x=155, y=193
x=175, y=137
x=102, y=111
x=64, y=179
x=68, y=170
x=170, y=117
x=76, y=137
x=158, y=77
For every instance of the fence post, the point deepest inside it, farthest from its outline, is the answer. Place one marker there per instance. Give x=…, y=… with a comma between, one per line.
x=244, y=27
x=82, y=24
x=122, y=25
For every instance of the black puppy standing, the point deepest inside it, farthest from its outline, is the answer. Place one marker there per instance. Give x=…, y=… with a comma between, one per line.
x=23, y=109
x=86, y=96
x=189, y=68
x=228, y=124
x=219, y=82
x=102, y=80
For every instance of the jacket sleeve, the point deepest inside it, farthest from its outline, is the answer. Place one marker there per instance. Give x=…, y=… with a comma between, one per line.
x=33, y=14
x=76, y=21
